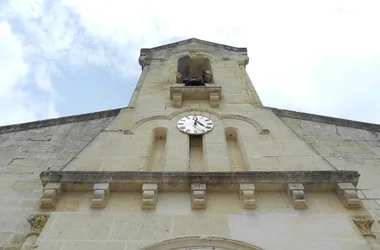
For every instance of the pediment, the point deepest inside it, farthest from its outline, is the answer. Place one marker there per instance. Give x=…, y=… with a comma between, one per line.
x=194, y=41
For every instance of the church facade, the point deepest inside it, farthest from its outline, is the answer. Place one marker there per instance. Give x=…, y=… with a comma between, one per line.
x=194, y=162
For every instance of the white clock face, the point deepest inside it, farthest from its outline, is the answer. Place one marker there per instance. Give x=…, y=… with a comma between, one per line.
x=195, y=124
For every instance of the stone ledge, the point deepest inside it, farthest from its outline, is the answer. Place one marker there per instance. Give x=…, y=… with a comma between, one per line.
x=58, y=121
x=165, y=177
x=195, y=90
x=326, y=119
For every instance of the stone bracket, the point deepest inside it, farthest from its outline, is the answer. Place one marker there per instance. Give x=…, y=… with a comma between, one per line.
x=149, y=196
x=178, y=93
x=297, y=195
x=247, y=195
x=214, y=100
x=198, y=195
x=347, y=193
x=101, y=195
x=51, y=193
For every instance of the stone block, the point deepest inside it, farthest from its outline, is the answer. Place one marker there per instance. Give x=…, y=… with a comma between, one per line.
x=247, y=195
x=149, y=196
x=296, y=195
x=69, y=226
x=100, y=195
x=198, y=196
x=51, y=193
x=7, y=180
x=83, y=245
x=201, y=225
x=347, y=192
x=372, y=194
x=142, y=227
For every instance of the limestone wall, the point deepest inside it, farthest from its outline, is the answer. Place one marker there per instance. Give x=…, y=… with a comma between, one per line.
x=23, y=155
x=275, y=224
x=347, y=149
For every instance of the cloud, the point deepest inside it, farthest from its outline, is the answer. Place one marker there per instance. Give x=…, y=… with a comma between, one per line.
x=320, y=57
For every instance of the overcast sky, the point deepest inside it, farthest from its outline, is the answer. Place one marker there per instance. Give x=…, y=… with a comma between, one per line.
x=60, y=58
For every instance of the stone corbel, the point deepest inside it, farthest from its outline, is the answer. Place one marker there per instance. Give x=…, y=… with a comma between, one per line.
x=247, y=195
x=149, y=196
x=198, y=195
x=297, y=195
x=347, y=193
x=364, y=224
x=214, y=100
x=37, y=223
x=177, y=100
x=101, y=195
x=51, y=193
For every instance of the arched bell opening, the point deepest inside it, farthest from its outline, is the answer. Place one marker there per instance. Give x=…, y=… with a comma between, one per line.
x=194, y=71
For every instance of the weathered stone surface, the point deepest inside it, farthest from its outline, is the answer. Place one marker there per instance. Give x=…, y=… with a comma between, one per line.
x=306, y=177
x=271, y=151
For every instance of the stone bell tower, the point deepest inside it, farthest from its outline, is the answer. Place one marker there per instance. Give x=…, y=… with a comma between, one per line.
x=195, y=160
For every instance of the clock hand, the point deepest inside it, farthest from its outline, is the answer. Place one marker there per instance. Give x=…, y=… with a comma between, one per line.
x=200, y=124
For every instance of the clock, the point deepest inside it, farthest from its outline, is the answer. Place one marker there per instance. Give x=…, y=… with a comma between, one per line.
x=195, y=124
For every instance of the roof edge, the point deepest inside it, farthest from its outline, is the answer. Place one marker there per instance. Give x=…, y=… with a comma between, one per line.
x=58, y=121
x=326, y=119
x=190, y=40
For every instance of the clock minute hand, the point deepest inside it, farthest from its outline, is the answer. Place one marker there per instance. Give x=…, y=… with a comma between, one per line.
x=200, y=124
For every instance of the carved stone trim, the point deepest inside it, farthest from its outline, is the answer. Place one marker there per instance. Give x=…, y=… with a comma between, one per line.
x=347, y=193
x=178, y=93
x=364, y=224
x=198, y=196
x=297, y=195
x=275, y=177
x=101, y=195
x=214, y=100
x=149, y=196
x=37, y=222
x=247, y=195
x=51, y=193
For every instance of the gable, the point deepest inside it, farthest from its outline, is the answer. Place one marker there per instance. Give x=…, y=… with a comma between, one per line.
x=193, y=41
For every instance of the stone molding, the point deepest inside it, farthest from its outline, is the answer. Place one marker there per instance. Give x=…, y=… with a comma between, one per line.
x=178, y=93
x=167, y=177
x=50, y=196
x=347, y=192
x=247, y=195
x=244, y=182
x=149, y=196
x=364, y=224
x=101, y=194
x=197, y=242
x=58, y=121
x=198, y=196
x=297, y=195
x=37, y=222
x=325, y=119
x=145, y=51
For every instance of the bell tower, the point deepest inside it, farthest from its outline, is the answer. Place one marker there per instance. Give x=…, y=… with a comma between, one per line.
x=194, y=109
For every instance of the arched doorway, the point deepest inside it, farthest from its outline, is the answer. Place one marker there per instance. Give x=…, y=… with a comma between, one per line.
x=200, y=243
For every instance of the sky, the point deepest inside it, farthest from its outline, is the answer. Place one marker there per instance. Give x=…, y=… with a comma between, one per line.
x=68, y=57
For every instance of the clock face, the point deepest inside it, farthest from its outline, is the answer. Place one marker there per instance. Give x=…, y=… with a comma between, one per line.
x=195, y=124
